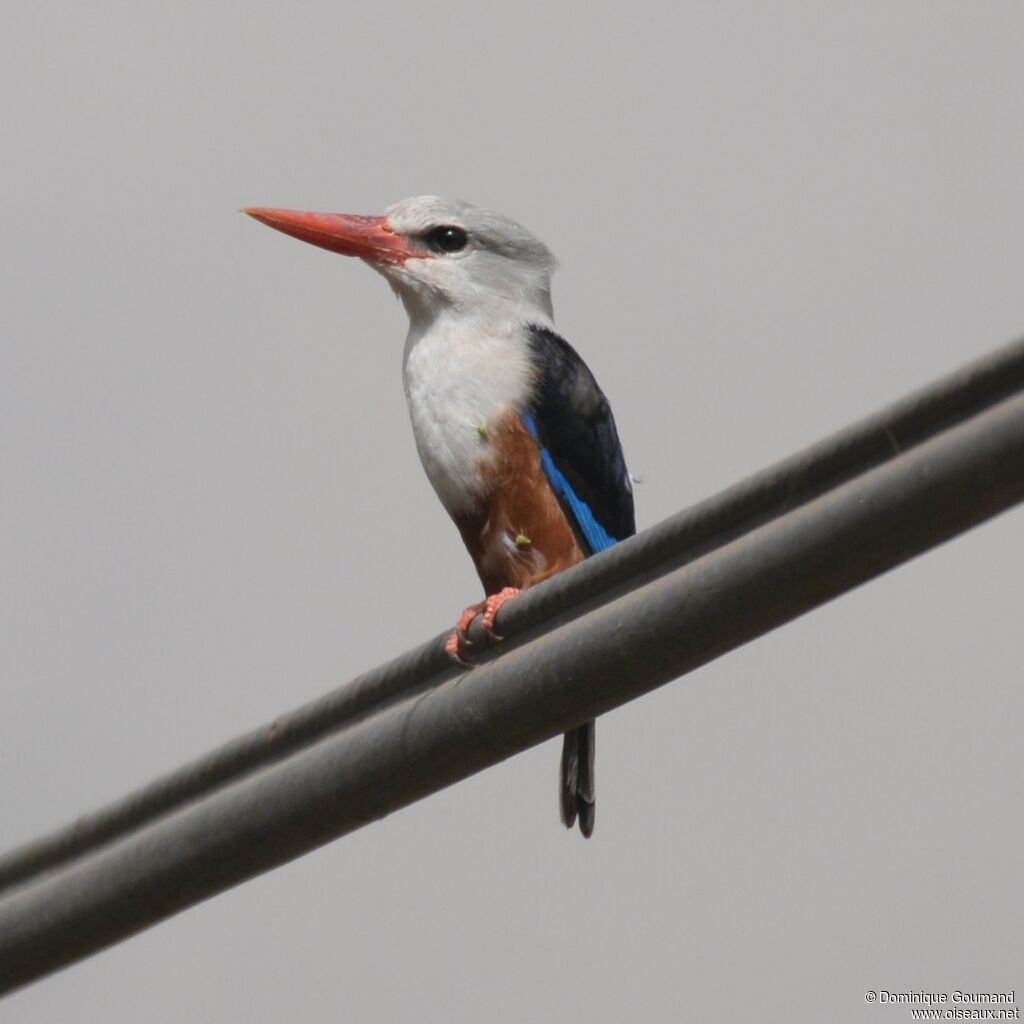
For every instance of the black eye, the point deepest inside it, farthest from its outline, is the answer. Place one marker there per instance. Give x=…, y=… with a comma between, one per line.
x=447, y=238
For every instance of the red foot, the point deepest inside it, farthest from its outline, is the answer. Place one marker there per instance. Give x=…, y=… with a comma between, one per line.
x=457, y=642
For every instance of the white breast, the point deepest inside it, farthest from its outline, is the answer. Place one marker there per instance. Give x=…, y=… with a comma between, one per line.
x=460, y=376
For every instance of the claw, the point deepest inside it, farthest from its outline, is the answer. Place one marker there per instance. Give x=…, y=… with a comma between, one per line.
x=453, y=647
x=457, y=642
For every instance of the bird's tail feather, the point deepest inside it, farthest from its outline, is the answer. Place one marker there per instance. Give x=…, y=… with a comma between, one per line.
x=576, y=792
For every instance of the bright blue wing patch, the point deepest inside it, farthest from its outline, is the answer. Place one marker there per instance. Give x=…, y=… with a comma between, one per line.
x=594, y=533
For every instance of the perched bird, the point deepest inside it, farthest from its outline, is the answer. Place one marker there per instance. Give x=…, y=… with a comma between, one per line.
x=513, y=431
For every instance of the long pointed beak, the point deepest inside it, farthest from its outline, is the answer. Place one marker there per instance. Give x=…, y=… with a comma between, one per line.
x=369, y=238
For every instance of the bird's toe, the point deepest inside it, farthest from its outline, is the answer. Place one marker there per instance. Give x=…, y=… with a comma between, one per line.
x=492, y=606
x=458, y=640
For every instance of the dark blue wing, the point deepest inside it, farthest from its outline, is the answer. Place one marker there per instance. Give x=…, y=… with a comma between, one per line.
x=580, y=450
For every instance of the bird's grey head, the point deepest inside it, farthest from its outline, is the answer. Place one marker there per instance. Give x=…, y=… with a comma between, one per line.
x=439, y=255
x=477, y=259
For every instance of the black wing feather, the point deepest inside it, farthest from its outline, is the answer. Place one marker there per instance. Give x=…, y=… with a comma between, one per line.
x=575, y=424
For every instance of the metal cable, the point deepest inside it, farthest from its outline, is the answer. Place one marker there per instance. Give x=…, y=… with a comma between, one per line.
x=943, y=460
x=673, y=542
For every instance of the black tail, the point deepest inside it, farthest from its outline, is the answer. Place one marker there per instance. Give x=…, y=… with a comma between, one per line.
x=576, y=792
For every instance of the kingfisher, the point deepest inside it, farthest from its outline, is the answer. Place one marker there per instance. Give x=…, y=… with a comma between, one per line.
x=514, y=433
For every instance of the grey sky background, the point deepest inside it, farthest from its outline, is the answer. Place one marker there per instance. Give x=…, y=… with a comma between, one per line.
x=772, y=219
